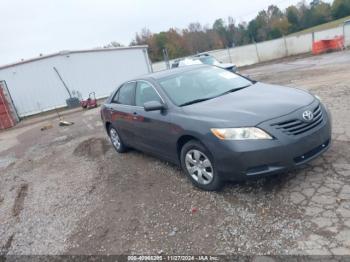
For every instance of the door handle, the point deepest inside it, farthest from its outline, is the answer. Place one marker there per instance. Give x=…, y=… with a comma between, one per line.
x=111, y=110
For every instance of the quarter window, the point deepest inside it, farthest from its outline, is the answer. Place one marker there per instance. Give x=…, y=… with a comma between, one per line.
x=145, y=93
x=115, y=97
x=126, y=94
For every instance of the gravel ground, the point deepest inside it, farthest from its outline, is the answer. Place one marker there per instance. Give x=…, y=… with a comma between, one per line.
x=64, y=190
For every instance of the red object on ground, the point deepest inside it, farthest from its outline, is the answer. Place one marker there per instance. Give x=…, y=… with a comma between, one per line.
x=91, y=102
x=324, y=46
x=6, y=118
x=194, y=210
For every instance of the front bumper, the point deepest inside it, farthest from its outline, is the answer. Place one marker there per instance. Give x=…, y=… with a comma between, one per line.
x=240, y=160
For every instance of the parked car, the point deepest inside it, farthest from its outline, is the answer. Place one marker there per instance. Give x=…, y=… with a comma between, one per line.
x=217, y=125
x=207, y=59
x=186, y=62
x=203, y=58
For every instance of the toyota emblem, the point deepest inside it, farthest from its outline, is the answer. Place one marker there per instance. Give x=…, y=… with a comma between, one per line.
x=308, y=116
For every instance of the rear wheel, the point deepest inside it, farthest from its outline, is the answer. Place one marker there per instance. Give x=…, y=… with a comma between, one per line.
x=198, y=164
x=116, y=140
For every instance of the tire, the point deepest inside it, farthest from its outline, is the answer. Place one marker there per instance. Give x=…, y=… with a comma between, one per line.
x=197, y=162
x=116, y=140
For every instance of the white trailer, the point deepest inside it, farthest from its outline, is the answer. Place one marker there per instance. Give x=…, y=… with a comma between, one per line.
x=36, y=85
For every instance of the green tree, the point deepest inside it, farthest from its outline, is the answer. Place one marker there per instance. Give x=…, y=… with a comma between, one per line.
x=320, y=13
x=220, y=27
x=340, y=8
x=175, y=44
x=258, y=27
x=252, y=30
x=293, y=18
x=279, y=28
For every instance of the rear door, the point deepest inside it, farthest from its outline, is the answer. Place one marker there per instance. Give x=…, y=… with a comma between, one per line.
x=122, y=112
x=153, y=128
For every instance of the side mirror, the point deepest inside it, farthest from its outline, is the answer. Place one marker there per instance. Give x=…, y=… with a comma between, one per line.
x=153, y=106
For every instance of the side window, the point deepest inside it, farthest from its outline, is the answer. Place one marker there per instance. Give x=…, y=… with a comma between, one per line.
x=145, y=93
x=115, y=97
x=126, y=94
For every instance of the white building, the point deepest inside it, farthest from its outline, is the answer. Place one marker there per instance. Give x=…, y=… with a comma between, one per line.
x=35, y=85
x=346, y=29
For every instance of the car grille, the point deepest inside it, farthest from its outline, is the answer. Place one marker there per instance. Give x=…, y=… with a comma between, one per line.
x=297, y=127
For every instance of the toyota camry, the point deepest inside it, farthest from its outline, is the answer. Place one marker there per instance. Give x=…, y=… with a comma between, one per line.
x=217, y=125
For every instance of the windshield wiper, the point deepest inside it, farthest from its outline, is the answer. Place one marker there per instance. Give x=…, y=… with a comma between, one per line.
x=196, y=101
x=208, y=98
x=234, y=90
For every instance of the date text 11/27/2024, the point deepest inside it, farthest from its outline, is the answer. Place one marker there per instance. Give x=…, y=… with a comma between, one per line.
x=173, y=258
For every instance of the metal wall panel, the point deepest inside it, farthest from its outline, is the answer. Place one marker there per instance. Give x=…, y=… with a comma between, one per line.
x=35, y=86
x=347, y=33
x=299, y=44
x=329, y=33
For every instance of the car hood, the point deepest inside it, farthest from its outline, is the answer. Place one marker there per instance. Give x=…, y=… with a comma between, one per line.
x=250, y=106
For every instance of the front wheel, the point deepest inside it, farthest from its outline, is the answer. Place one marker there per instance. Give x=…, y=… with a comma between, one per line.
x=116, y=140
x=198, y=164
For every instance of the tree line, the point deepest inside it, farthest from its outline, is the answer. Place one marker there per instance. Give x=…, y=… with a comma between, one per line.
x=268, y=24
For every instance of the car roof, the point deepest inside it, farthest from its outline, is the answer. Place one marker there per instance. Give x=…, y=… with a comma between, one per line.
x=172, y=72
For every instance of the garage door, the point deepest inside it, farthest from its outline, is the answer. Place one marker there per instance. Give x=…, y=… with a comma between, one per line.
x=8, y=116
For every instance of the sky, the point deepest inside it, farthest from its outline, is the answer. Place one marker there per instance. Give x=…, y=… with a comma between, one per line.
x=32, y=27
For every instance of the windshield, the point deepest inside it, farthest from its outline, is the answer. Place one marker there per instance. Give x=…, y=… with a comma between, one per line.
x=209, y=60
x=201, y=84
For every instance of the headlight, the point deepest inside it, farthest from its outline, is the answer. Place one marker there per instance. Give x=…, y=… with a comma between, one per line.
x=244, y=133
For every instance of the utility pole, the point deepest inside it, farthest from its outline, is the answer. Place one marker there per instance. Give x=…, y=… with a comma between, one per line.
x=166, y=58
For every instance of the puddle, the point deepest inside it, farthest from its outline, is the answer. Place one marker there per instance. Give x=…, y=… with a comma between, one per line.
x=92, y=147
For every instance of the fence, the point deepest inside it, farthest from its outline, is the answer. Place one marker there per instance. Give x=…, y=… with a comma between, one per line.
x=273, y=49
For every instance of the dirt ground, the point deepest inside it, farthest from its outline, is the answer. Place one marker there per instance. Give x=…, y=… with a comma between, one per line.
x=65, y=190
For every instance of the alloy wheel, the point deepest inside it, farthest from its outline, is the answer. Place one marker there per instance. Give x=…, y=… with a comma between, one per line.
x=115, y=138
x=199, y=167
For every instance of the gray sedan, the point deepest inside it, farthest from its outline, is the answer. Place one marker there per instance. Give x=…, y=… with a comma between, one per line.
x=217, y=125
